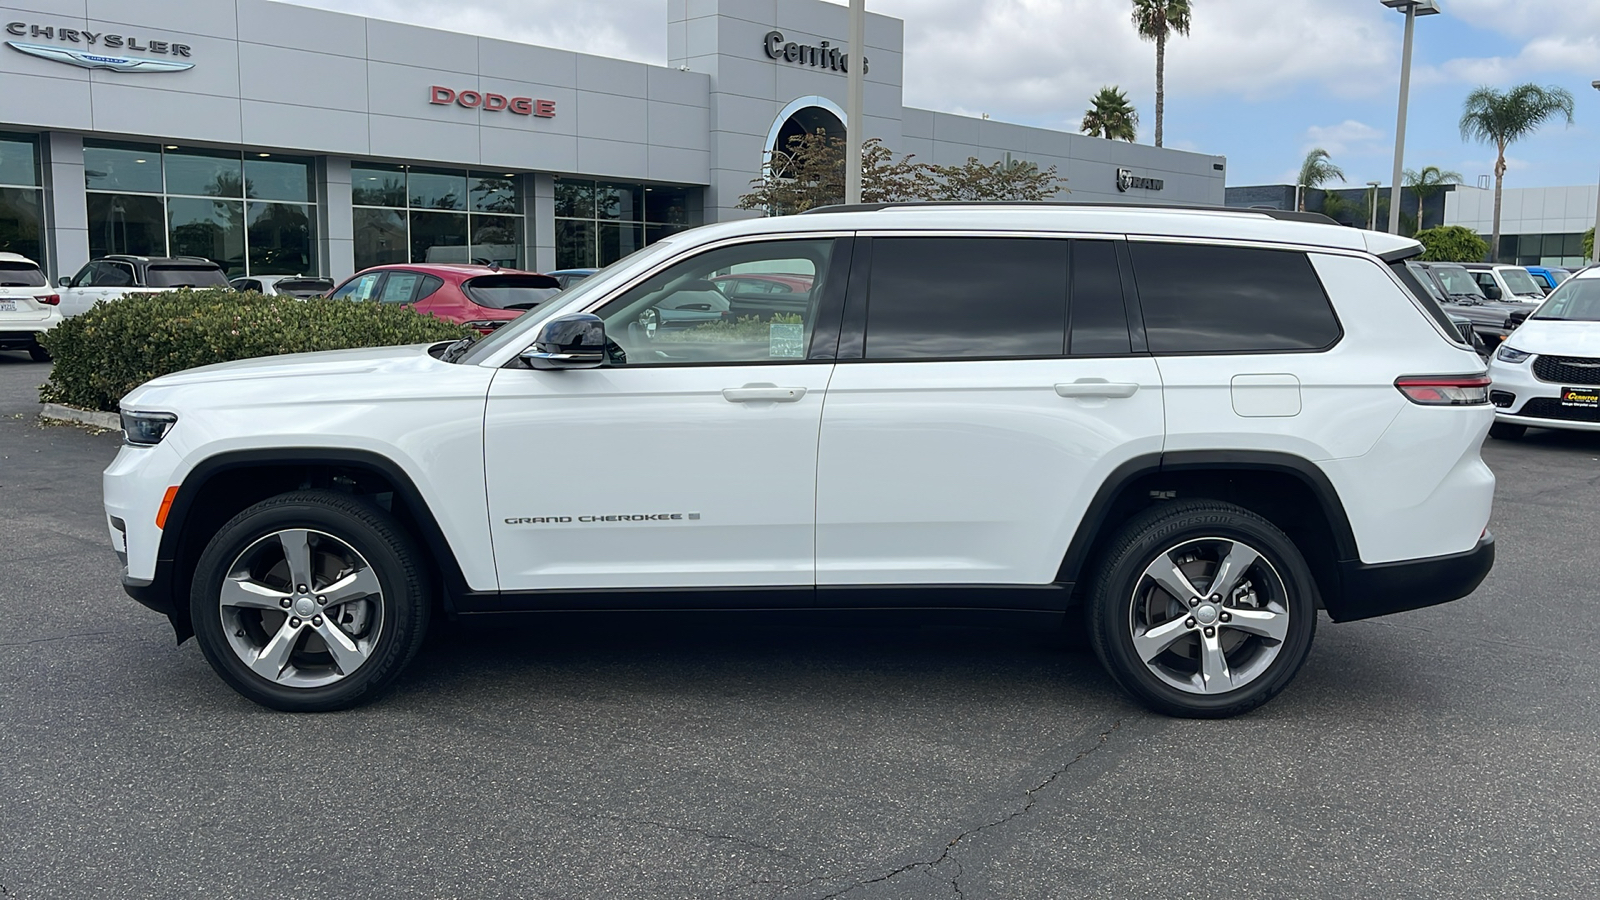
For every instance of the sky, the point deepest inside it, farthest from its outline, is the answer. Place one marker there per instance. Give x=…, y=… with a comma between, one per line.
x=1258, y=81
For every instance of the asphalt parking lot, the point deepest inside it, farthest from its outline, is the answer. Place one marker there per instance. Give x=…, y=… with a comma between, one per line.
x=1444, y=752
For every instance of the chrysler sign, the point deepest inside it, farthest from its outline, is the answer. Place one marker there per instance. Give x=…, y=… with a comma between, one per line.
x=98, y=50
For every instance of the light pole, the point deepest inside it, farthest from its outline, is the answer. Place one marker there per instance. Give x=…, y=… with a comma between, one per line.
x=1372, y=212
x=854, y=127
x=1594, y=247
x=1412, y=9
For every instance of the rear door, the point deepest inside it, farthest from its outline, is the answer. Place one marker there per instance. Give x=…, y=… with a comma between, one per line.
x=986, y=387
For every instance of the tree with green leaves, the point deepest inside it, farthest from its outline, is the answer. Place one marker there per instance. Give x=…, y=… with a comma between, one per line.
x=1491, y=117
x=1317, y=169
x=1431, y=180
x=1110, y=116
x=1154, y=20
x=1452, y=243
x=1588, y=245
x=810, y=173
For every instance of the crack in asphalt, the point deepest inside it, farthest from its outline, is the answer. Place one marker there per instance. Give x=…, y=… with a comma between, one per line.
x=62, y=637
x=955, y=882
x=710, y=835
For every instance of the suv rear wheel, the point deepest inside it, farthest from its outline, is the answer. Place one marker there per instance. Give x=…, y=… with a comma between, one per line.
x=309, y=601
x=1202, y=609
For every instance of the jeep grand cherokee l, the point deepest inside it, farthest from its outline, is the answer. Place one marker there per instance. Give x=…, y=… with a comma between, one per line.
x=1198, y=426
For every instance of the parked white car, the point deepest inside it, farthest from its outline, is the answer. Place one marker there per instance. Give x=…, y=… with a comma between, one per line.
x=1547, y=373
x=1507, y=284
x=29, y=306
x=298, y=286
x=115, y=276
x=1198, y=426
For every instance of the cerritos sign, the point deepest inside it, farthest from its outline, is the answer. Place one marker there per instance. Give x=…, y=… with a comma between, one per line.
x=492, y=102
x=101, y=58
x=817, y=56
x=1127, y=181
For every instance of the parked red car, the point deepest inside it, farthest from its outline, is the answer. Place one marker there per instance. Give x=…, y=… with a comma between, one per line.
x=480, y=297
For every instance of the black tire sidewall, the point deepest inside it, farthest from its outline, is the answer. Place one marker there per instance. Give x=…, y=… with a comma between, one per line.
x=1160, y=529
x=371, y=533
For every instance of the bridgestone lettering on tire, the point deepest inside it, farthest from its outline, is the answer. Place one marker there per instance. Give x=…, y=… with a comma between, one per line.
x=1202, y=609
x=310, y=601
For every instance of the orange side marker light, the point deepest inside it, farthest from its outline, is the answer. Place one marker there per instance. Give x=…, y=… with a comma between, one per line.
x=166, y=506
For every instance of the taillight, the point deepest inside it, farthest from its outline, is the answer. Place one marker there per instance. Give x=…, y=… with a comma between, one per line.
x=1445, y=390
x=50, y=299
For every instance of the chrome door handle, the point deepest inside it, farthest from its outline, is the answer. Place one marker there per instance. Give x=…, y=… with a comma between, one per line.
x=1096, y=387
x=752, y=392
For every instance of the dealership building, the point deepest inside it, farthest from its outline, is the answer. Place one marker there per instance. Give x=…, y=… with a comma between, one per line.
x=279, y=139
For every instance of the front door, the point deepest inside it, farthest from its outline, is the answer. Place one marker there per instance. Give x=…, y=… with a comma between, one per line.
x=690, y=459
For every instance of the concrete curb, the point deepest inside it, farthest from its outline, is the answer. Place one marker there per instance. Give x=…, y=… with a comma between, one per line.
x=58, y=413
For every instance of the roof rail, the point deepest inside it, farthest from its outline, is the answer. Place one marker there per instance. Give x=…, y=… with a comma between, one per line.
x=1284, y=215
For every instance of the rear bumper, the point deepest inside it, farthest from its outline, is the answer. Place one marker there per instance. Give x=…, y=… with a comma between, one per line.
x=1378, y=589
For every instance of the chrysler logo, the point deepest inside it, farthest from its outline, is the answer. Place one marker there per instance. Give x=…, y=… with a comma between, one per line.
x=90, y=60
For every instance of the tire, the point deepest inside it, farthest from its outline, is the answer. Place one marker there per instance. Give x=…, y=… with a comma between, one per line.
x=1507, y=431
x=1203, y=658
x=38, y=353
x=301, y=648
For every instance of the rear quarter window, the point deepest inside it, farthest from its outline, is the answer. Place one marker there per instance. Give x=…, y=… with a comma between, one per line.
x=1202, y=298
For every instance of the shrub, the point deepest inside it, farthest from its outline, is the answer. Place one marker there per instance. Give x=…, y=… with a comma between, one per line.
x=117, y=346
x=1452, y=243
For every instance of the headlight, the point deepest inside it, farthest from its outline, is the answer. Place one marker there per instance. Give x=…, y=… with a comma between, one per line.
x=1510, y=354
x=146, y=429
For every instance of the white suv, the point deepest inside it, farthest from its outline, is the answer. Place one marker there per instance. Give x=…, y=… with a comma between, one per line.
x=1197, y=426
x=28, y=306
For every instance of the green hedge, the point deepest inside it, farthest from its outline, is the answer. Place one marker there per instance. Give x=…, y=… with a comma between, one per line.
x=115, y=347
x=1452, y=243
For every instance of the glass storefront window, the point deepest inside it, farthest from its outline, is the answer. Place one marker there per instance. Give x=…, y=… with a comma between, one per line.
x=380, y=237
x=668, y=206
x=278, y=178
x=205, y=173
x=575, y=244
x=153, y=200
x=493, y=193
x=22, y=222
x=372, y=184
x=619, y=201
x=618, y=239
x=111, y=166
x=283, y=239
x=213, y=229
x=437, y=190
x=19, y=160
x=574, y=199
x=497, y=240
x=439, y=237
x=127, y=223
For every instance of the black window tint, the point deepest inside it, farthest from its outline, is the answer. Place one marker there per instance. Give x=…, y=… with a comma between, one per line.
x=20, y=274
x=185, y=276
x=111, y=275
x=939, y=298
x=1099, y=321
x=1207, y=299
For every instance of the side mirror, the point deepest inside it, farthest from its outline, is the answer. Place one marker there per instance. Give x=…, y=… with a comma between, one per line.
x=577, y=341
x=1491, y=291
x=64, y=281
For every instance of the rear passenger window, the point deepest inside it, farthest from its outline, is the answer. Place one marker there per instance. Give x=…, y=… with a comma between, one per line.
x=946, y=298
x=1199, y=298
x=1099, y=320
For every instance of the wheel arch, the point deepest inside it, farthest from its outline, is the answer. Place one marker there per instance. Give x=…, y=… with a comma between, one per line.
x=220, y=486
x=1290, y=491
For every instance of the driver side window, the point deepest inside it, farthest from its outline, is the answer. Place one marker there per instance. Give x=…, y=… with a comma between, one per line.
x=690, y=313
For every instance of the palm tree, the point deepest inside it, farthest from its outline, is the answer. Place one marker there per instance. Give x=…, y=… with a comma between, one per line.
x=1317, y=170
x=1110, y=116
x=1431, y=180
x=1155, y=19
x=1491, y=117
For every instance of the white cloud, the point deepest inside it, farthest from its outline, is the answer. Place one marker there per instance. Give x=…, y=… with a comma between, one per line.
x=1348, y=138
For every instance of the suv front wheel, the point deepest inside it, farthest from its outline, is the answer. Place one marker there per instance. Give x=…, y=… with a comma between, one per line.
x=1202, y=609
x=309, y=601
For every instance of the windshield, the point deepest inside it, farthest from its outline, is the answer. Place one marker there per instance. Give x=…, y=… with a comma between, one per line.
x=20, y=274
x=573, y=298
x=1457, y=281
x=1421, y=274
x=1521, y=283
x=506, y=291
x=1576, y=300
x=185, y=276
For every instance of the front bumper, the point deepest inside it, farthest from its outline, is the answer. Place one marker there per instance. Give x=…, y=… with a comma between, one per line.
x=1533, y=402
x=1368, y=590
